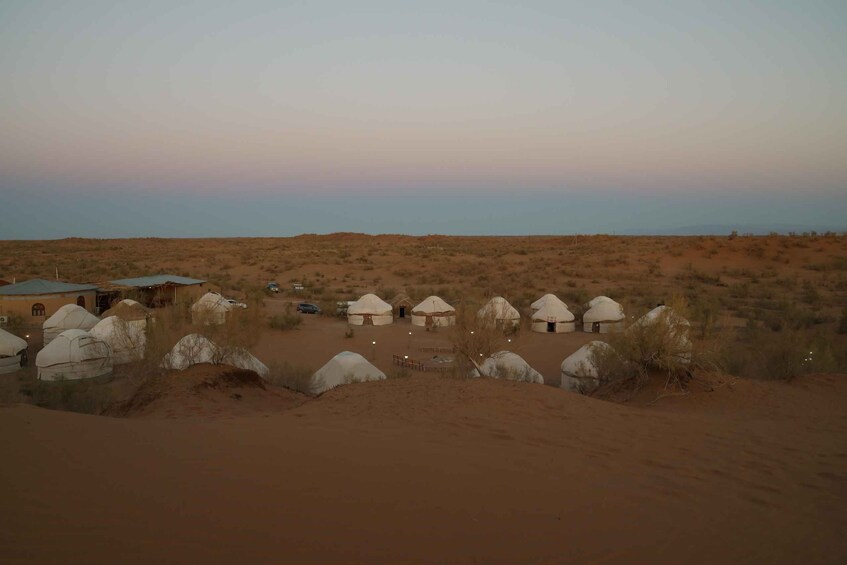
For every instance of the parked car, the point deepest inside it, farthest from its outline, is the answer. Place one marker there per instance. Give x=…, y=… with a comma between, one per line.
x=272, y=287
x=307, y=308
x=235, y=303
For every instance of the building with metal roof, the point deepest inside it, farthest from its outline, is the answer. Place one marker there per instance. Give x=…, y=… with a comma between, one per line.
x=35, y=300
x=151, y=291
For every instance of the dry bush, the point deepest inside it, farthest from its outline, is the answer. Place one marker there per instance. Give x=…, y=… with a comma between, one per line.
x=293, y=377
x=475, y=338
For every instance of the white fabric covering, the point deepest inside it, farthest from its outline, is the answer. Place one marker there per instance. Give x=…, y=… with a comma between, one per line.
x=555, y=312
x=74, y=354
x=500, y=310
x=345, y=368
x=195, y=349
x=210, y=309
x=127, y=339
x=510, y=366
x=433, y=311
x=68, y=317
x=538, y=304
x=370, y=309
x=579, y=373
x=605, y=312
x=11, y=347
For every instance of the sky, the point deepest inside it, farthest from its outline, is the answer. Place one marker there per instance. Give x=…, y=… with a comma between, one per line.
x=273, y=118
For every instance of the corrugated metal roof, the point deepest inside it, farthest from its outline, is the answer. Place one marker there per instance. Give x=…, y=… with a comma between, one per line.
x=42, y=286
x=156, y=280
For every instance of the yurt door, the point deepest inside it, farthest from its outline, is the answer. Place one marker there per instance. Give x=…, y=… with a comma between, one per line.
x=551, y=327
x=402, y=311
x=595, y=327
x=429, y=321
x=368, y=320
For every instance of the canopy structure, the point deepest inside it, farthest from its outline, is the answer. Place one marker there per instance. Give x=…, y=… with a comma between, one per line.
x=195, y=349
x=553, y=317
x=370, y=310
x=127, y=339
x=129, y=310
x=73, y=355
x=509, y=366
x=68, y=317
x=499, y=310
x=604, y=316
x=675, y=340
x=12, y=352
x=547, y=298
x=210, y=309
x=433, y=312
x=579, y=371
x=345, y=368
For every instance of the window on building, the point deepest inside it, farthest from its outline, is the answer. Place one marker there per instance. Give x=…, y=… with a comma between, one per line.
x=38, y=309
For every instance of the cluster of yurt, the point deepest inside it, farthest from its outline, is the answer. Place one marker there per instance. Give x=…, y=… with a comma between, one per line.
x=509, y=366
x=551, y=315
x=345, y=368
x=500, y=312
x=210, y=309
x=603, y=315
x=12, y=352
x=68, y=317
x=433, y=312
x=74, y=354
x=195, y=349
x=370, y=310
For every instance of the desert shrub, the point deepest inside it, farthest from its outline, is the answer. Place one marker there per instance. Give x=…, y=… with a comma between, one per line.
x=285, y=321
x=349, y=333
x=290, y=376
x=87, y=396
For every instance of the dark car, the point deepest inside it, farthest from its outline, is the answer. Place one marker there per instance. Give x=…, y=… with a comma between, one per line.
x=307, y=308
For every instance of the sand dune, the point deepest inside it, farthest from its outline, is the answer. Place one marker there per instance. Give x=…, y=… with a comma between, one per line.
x=434, y=470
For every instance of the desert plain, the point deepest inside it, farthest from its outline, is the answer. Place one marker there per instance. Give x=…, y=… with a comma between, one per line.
x=745, y=462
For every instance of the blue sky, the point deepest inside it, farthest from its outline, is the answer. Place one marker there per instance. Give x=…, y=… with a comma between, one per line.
x=275, y=118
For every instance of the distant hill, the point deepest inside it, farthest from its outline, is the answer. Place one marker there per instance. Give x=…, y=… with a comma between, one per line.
x=726, y=229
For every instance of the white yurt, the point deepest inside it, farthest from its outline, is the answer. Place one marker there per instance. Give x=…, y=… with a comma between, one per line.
x=553, y=317
x=539, y=304
x=370, y=310
x=604, y=316
x=677, y=341
x=509, y=366
x=499, y=309
x=129, y=310
x=210, y=309
x=72, y=355
x=68, y=317
x=12, y=352
x=433, y=312
x=597, y=300
x=195, y=349
x=345, y=368
x=127, y=339
x=579, y=373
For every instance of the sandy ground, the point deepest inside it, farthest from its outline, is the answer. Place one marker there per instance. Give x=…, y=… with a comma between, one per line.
x=434, y=470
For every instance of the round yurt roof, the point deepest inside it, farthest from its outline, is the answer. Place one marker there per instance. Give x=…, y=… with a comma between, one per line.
x=72, y=346
x=580, y=364
x=345, y=365
x=71, y=317
x=118, y=333
x=127, y=309
x=191, y=350
x=212, y=301
x=433, y=305
x=500, y=308
x=662, y=310
x=604, y=311
x=598, y=299
x=538, y=304
x=553, y=311
x=511, y=366
x=10, y=344
x=370, y=304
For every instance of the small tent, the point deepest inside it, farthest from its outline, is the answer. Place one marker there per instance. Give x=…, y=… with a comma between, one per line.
x=345, y=368
x=402, y=304
x=127, y=339
x=72, y=355
x=579, y=373
x=547, y=298
x=499, y=310
x=195, y=349
x=68, y=317
x=210, y=309
x=370, y=310
x=128, y=310
x=12, y=352
x=509, y=366
x=553, y=317
x=604, y=316
x=433, y=312
x=675, y=341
